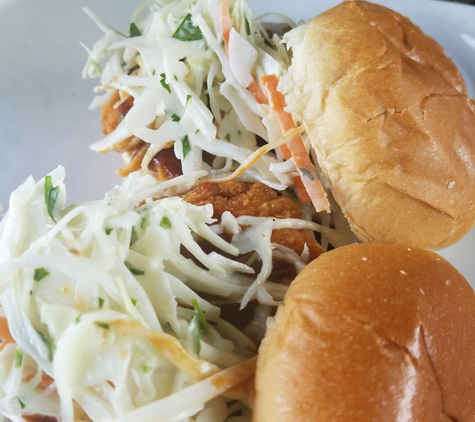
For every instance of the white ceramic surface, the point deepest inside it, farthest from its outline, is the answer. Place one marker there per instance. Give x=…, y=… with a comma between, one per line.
x=44, y=116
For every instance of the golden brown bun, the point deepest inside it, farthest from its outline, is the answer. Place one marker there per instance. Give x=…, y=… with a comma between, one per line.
x=371, y=332
x=392, y=127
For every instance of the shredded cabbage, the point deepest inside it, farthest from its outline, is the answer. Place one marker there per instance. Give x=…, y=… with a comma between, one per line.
x=111, y=319
x=190, y=75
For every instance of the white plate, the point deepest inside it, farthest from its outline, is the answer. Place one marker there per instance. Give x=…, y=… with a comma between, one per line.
x=44, y=116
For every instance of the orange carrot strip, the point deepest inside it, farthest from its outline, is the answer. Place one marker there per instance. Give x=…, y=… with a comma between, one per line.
x=5, y=334
x=261, y=98
x=225, y=21
x=296, y=146
x=45, y=382
x=258, y=93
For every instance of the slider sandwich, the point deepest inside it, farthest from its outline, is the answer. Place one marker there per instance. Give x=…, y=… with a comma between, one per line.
x=245, y=163
x=374, y=102
x=389, y=118
x=370, y=332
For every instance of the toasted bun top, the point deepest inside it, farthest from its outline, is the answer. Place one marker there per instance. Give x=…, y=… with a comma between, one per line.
x=393, y=129
x=371, y=332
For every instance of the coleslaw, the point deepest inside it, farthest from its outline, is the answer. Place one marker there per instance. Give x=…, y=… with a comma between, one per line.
x=106, y=318
x=203, y=77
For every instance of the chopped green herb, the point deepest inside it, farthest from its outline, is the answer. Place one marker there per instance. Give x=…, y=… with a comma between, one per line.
x=239, y=131
x=175, y=117
x=228, y=137
x=186, y=146
x=31, y=292
x=188, y=98
x=134, y=271
x=176, y=78
x=134, y=302
x=197, y=131
x=108, y=231
x=134, y=31
x=165, y=223
x=40, y=274
x=78, y=319
x=196, y=334
x=306, y=173
x=51, y=196
x=143, y=222
x=200, y=317
x=22, y=405
x=248, y=27
x=102, y=325
x=18, y=357
x=163, y=82
x=146, y=369
x=134, y=236
x=47, y=344
x=101, y=302
x=187, y=31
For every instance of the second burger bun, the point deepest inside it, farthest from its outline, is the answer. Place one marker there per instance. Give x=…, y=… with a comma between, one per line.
x=390, y=121
x=371, y=332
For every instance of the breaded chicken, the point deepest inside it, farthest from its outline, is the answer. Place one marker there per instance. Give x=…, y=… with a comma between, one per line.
x=112, y=116
x=259, y=200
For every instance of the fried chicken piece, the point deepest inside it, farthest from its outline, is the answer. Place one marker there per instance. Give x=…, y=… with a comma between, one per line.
x=112, y=116
x=241, y=198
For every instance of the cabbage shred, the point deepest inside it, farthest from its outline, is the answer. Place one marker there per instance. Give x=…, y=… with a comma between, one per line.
x=188, y=90
x=110, y=320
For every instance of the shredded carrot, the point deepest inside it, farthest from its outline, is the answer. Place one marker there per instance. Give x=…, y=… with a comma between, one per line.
x=5, y=334
x=45, y=382
x=261, y=98
x=307, y=185
x=296, y=146
x=225, y=21
x=258, y=93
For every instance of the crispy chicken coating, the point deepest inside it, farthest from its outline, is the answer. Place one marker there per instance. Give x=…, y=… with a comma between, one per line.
x=111, y=116
x=259, y=200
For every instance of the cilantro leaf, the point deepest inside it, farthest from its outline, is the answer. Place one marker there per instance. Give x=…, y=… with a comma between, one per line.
x=186, y=31
x=51, y=196
x=200, y=317
x=48, y=345
x=185, y=142
x=102, y=325
x=165, y=223
x=248, y=27
x=134, y=271
x=134, y=31
x=18, y=357
x=40, y=274
x=163, y=82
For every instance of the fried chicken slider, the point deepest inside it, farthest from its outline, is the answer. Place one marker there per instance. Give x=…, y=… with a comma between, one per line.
x=371, y=332
x=390, y=121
